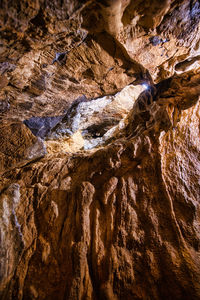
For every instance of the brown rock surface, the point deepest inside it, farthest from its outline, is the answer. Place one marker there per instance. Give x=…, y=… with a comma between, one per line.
x=100, y=54
x=122, y=219
x=18, y=146
x=121, y=223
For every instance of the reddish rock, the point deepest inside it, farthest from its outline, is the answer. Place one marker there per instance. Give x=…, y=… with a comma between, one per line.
x=18, y=146
x=119, y=221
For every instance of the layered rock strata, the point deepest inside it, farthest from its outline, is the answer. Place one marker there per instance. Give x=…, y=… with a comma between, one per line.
x=99, y=156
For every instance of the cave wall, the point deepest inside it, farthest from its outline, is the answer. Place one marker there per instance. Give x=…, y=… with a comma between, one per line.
x=120, y=221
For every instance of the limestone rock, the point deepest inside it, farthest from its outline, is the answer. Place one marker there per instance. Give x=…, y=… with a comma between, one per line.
x=18, y=146
x=105, y=219
x=97, y=63
x=3, y=81
x=111, y=210
x=4, y=106
x=12, y=245
x=41, y=126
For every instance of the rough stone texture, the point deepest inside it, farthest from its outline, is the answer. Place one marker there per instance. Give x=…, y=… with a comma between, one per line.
x=173, y=25
x=11, y=236
x=94, y=121
x=18, y=146
x=41, y=126
x=54, y=52
x=120, y=221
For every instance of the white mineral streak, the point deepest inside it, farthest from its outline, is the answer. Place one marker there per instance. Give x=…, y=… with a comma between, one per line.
x=89, y=112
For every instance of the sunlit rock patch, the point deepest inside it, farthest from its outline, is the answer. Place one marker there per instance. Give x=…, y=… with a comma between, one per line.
x=87, y=123
x=96, y=120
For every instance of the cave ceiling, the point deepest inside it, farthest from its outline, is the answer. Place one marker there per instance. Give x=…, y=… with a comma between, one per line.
x=53, y=52
x=54, y=55
x=99, y=149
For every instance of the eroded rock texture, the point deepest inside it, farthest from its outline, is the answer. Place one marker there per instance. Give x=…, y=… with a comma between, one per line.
x=100, y=189
x=121, y=223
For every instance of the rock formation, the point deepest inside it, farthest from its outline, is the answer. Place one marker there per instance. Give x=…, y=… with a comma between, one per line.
x=100, y=151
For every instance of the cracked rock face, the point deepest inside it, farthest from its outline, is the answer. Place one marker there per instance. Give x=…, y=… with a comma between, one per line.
x=100, y=151
x=18, y=146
